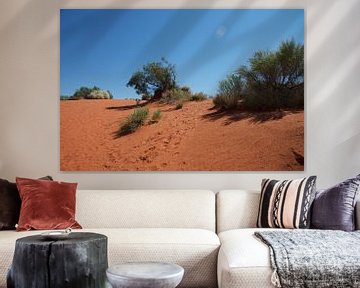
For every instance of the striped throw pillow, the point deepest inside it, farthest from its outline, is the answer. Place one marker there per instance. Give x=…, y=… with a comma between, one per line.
x=286, y=204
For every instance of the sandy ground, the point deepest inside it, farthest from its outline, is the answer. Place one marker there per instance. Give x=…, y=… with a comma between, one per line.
x=195, y=138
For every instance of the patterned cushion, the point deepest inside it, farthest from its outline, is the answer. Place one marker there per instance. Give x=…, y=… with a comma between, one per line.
x=286, y=204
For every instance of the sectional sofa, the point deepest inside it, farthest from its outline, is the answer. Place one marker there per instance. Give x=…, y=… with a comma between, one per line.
x=210, y=235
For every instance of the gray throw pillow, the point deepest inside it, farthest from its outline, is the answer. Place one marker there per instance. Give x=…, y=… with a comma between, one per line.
x=334, y=208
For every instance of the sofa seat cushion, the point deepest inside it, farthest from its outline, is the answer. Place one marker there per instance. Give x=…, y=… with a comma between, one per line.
x=244, y=261
x=194, y=249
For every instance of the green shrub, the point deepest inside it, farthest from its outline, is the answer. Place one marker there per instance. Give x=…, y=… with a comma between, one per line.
x=281, y=98
x=198, y=97
x=154, y=78
x=91, y=93
x=226, y=101
x=186, y=89
x=272, y=80
x=64, y=98
x=82, y=92
x=230, y=92
x=98, y=94
x=275, y=79
x=145, y=97
x=255, y=101
x=134, y=121
x=156, y=116
x=175, y=95
x=179, y=105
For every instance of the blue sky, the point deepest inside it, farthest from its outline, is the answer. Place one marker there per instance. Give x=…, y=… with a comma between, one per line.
x=104, y=47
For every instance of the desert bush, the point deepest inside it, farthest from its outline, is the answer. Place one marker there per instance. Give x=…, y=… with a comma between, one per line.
x=186, y=89
x=257, y=101
x=296, y=98
x=154, y=77
x=64, y=97
x=81, y=93
x=272, y=80
x=98, y=94
x=134, y=121
x=175, y=95
x=275, y=79
x=280, y=98
x=198, y=97
x=145, y=97
x=226, y=101
x=179, y=105
x=156, y=115
x=91, y=93
x=230, y=92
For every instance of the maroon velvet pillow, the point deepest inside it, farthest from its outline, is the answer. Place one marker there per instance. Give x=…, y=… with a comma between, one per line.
x=46, y=204
x=10, y=204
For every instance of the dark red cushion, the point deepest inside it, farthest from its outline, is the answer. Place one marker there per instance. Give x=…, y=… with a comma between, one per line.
x=10, y=204
x=46, y=204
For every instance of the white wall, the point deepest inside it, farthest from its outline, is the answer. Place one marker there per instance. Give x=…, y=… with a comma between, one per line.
x=29, y=94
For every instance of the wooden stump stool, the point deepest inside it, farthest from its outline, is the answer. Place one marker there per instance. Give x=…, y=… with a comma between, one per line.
x=79, y=261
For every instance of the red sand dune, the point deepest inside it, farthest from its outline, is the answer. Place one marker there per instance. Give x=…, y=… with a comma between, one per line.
x=196, y=138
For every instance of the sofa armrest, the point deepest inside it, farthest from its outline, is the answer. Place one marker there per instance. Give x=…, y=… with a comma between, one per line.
x=357, y=215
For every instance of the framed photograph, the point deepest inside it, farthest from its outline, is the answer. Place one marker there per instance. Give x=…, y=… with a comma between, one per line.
x=182, y=90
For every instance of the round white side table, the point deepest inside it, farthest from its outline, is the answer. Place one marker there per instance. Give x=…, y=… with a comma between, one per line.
x=145, y=275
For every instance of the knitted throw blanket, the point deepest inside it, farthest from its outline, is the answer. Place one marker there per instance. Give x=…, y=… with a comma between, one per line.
x=313, y=258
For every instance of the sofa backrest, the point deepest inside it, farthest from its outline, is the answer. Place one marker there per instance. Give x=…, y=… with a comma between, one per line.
x=239, y=209
x=146, y=209
x=236, y=209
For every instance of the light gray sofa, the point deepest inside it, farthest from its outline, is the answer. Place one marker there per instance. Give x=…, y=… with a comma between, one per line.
x=160, y=225
x=243, y=261
x=175, y=226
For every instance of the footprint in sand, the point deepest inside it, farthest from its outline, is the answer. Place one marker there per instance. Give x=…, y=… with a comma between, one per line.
x=143, y=157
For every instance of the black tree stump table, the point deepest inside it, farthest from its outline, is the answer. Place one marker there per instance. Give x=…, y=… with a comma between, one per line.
x=79, y=261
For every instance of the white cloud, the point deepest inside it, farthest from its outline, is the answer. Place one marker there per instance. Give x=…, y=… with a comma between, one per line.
x=220, y=31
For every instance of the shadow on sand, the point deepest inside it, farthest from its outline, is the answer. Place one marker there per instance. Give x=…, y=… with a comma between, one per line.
x=254, y=116
x=299, y=158
x=118, y=134
x=127, y=107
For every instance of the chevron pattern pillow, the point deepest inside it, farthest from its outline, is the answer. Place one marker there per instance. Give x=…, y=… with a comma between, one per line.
x=286, y=204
